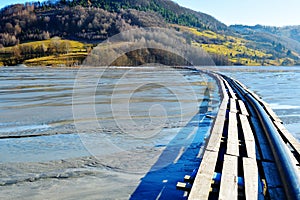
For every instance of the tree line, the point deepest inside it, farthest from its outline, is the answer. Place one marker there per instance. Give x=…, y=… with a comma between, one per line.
x=142, y=46
x=92, y=21
x=20, y=53
x=21, y=23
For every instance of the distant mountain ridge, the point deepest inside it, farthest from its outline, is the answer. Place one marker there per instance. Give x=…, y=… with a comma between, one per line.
x=277, y=37
x=292, y=32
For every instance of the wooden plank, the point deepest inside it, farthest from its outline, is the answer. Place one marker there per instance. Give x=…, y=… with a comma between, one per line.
x=288, y=136
x=214, y=141
x=250, y=178
x=243, y=108
x=250, y=146
x=223, y=105
x=272, y=113
x=183, y=186
x=229, y=180
x=249, y=137
x=233, y=105
x=232, y=141
x=223, y=89
x=217, y=131
x=232, y=94
x=230, y=91
x=202, y=184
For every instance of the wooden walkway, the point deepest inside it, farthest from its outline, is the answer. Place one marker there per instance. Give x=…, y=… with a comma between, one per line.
x=239, y=151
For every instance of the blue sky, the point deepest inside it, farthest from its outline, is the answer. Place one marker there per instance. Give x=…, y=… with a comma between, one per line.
x=247, y=12
x=4, y=3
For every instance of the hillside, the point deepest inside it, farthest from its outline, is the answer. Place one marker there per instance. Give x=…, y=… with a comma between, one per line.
x=292, y=32
x=232, y=48
x=55, y=52
x=280, y=41
x=92, y=21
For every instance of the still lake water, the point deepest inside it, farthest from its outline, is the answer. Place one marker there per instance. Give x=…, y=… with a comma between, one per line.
x=279, y=87
x=48, y=151
x=146, y=137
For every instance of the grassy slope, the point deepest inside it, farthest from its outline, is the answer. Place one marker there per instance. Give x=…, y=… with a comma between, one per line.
x=59, y=60
x=75, y=53
x=234, y=48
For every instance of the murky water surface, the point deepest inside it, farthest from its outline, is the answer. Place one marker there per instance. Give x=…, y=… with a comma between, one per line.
x=120, y=134
x=278, y=86
x=66, y=133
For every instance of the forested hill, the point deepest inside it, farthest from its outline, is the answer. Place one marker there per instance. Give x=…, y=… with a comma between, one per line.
x=27, y=32
x=292, y=32
x=93, y=20
x=287, y=36
x=170, y=11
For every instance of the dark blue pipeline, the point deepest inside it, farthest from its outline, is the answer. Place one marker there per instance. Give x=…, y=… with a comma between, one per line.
x=288, y=172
